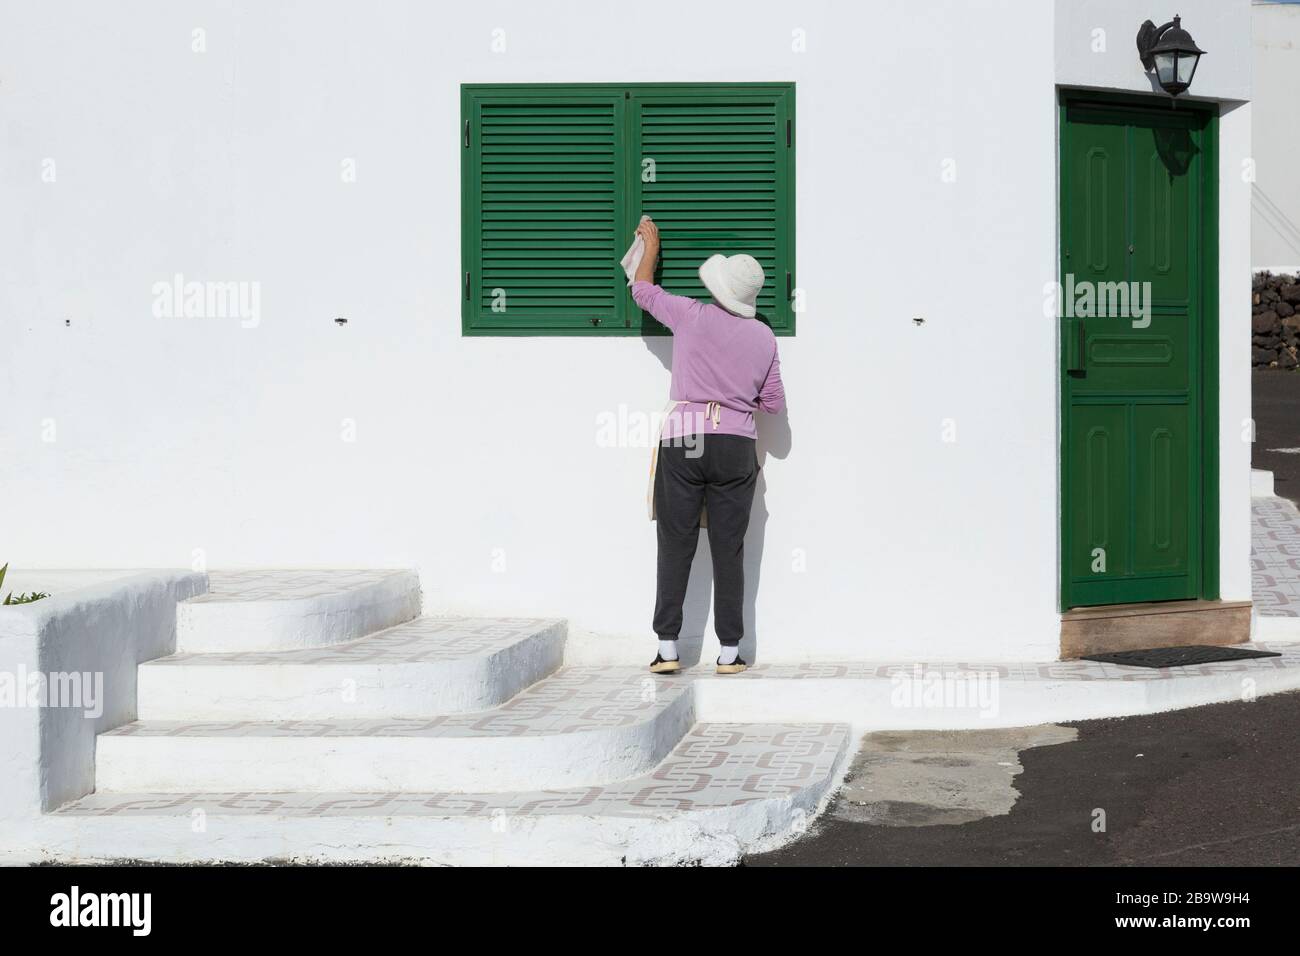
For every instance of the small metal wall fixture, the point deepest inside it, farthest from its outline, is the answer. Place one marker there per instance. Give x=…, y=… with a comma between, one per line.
x=1171, y=52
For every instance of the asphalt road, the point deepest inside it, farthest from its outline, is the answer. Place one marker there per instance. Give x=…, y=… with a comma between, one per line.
x=1276, y=404
x=1210, y=786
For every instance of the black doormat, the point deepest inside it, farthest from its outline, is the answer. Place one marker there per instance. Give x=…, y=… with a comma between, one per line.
x=1179, y=656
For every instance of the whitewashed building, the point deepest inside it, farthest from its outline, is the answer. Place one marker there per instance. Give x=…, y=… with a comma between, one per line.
x=911, y=502
x=253, y=256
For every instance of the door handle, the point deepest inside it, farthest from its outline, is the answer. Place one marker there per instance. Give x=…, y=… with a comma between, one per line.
x=1075, y=344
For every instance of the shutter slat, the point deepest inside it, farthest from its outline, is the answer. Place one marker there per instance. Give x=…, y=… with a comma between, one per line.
x=495, y=170
x=702, y=125
x=547, y=112
x=502, y=249
x=692, y=149
x=563, y=189
x=664, y=111
x=729, y=185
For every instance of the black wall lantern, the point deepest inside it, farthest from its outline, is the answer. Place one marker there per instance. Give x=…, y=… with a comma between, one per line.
x=1171, y=52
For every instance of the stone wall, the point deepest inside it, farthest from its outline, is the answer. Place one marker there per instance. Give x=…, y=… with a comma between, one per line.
x=1275, y=320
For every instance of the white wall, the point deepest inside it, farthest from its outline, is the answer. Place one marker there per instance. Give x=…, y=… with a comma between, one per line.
x=1236, y=418
x=177, y=435
x=1275, y=203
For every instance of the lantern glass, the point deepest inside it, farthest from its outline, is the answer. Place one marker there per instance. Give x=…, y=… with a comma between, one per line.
x=1187, y=67
x=1166, y=67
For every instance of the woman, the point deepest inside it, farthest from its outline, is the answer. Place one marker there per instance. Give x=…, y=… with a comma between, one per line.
x=725, y=366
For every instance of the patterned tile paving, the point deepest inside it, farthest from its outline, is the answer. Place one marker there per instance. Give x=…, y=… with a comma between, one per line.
x=423, y=639
x=1275, y=557
x=715, y=765
x=260, y=585
x=1047, y=671
x=569, y=701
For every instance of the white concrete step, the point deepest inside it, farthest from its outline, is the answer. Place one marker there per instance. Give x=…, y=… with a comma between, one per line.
x=975, y=695
x=578, y=727
x=425, y=667
x=277, y=610
x=724, y=790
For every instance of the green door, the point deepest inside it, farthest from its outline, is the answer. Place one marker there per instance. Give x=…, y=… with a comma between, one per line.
x=1134, y=326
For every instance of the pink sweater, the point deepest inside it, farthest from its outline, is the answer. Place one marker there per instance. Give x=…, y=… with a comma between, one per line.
x=717, y=357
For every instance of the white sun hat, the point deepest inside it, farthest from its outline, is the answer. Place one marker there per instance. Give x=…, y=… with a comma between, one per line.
x=734, y=281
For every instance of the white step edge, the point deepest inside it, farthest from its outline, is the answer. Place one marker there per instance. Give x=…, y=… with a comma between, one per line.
x=196, y=757
x=281, y=685
x=1261, y=483
x=1280, y=628
x=647, y=820
x=897, y=696
x=207, y=624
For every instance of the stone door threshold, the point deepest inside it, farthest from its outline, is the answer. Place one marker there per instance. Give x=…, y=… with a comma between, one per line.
x=1131, y=627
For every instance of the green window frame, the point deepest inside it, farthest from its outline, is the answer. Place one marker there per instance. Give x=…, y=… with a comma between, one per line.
x=554, y=178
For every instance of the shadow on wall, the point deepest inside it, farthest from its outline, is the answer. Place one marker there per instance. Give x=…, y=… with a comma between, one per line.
x=1176, y=150
x=1276, y=218
x=775, y=439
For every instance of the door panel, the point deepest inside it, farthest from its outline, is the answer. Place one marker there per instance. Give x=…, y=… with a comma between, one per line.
x=1096, y=238
x=1130, y=214
x=1121, y=359
x=1163, y=202
x=1161, y=487
x=1100, y=452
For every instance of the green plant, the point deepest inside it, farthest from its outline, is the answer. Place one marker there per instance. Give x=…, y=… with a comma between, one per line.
x=27, y=598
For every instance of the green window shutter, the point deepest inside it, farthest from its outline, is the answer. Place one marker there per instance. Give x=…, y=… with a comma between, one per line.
x=543, y=201
x=553, y=183
x=716, y=174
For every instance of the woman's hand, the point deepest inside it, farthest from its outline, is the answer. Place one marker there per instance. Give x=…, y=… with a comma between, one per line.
x=649, y=234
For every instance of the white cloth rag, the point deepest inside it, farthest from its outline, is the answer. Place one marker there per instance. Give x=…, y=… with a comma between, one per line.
x=632, y=258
